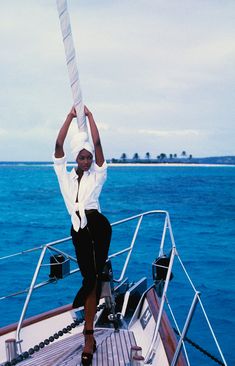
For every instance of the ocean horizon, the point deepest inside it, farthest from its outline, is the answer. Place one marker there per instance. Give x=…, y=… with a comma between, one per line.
x=130, y=164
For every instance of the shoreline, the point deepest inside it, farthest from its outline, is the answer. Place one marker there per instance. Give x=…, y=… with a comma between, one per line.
x=185, y=164
x=170, y=164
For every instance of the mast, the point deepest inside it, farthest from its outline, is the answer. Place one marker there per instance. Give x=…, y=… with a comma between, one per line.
x=71, y=62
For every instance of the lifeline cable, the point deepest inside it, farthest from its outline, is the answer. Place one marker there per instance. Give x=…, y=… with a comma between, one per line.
x=70, y=56
x=200, y=349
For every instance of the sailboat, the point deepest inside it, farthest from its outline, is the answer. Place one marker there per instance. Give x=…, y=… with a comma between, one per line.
x=132, y=325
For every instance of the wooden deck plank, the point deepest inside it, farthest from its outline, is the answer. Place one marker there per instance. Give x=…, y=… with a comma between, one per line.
x=113, y=349
x=119, y=348
x=130, y=341
x=125, y=347
x=49, y=355
x=109, y=350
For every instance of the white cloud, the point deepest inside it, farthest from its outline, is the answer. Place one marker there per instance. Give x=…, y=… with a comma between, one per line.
x=3, y=132
x=103, y=126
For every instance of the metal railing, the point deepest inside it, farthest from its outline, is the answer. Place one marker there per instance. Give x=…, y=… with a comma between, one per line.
x=196, y=300
x=51, y=246
x=164, y=301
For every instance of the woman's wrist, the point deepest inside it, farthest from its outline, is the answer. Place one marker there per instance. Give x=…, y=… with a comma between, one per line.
x=70, y=116
x=89, y=115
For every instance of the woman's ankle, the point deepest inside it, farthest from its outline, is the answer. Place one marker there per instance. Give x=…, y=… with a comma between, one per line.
x=88, y=331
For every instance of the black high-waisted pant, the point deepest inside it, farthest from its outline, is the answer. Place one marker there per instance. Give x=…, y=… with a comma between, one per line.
x=91, y=246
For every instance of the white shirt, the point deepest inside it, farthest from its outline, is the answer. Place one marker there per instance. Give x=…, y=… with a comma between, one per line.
x=88, y=193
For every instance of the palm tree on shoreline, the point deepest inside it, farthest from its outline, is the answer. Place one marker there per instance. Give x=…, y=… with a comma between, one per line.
x=136, y=156
x=147, y=155
x=123, y=157
x=161, y=156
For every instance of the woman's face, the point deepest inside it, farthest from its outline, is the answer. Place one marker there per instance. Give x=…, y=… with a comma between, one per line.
x=84, y=160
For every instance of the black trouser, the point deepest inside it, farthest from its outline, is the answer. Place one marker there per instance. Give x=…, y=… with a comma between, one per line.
x=91, y=245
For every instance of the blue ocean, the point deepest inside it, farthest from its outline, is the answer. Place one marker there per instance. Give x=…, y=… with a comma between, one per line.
x=201, y=204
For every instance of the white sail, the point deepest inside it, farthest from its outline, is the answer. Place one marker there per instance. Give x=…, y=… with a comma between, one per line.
x=71, y=61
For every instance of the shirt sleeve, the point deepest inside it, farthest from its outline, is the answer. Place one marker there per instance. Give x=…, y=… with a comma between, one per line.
x=101, y=172
x=59, y=161
x=60, y=167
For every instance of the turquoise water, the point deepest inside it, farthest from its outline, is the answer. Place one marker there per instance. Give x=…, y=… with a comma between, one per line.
x=201, y=203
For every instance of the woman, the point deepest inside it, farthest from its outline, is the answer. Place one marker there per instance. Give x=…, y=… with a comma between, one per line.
x=91, y=231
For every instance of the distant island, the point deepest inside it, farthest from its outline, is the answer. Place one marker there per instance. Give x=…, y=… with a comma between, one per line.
x=136, y=159
x=173, y=159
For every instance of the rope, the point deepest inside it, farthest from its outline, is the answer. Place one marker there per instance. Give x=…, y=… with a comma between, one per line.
x=23, y=356
x=199, y=348
x=70, y=56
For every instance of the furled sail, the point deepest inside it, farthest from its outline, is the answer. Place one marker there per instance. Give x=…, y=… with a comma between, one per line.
x=71, y=61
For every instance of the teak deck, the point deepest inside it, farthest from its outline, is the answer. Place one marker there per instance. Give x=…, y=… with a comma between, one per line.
x=113, y=349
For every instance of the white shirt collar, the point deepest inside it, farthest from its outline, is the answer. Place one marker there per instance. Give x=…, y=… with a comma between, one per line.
x=74, y=174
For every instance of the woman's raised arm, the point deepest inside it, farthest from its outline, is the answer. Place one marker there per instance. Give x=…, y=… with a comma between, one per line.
x=59, y=150
x=99, y=156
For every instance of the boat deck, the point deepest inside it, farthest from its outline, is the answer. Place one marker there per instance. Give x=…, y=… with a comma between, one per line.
x=113, y=349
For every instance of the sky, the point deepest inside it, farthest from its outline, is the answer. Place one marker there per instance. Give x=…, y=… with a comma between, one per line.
x=158, y=76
